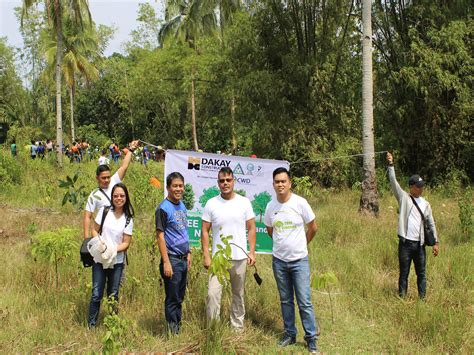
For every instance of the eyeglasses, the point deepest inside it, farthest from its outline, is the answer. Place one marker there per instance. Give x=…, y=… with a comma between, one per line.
x=221, y=181
x=119, y=196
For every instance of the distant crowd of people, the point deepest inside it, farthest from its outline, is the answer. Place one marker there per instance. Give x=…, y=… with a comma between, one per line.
x=80, y=151
x=37, y=149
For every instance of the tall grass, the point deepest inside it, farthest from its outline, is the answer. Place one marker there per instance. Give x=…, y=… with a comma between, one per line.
x=38, y=316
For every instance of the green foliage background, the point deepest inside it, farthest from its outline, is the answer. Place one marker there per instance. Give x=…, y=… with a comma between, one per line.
x=297, y=94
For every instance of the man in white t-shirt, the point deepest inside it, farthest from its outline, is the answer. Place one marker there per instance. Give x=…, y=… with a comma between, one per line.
x=103, y=160
x=101, y=196
x=286, y=219
x=229, y=214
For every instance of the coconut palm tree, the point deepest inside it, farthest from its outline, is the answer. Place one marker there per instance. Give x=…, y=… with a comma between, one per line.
x=369, y=199
x=55, y=9
x=80, y=52
x=186, y=21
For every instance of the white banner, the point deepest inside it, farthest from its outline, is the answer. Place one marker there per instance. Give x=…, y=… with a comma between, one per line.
x=253, y=179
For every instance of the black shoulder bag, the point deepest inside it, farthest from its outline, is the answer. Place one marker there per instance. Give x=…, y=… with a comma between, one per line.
x=86, y=257
x=430, y=239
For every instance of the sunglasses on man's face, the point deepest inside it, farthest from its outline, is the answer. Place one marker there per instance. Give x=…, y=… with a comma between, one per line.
x=226, y=180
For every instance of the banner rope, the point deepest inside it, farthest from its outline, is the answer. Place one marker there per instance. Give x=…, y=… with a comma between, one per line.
x=338, y=157
x=304, y=161
x=156, y=146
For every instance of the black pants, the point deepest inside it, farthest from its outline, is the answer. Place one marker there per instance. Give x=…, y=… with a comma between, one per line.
x=409, y=250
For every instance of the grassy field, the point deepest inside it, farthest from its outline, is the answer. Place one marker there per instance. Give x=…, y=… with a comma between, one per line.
x=367, y=316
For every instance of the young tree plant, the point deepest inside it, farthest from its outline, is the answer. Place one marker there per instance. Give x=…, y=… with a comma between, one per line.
x=325, y=282
x=75, y=195
x=116, y=328
x=55, y=247
x=221, y=264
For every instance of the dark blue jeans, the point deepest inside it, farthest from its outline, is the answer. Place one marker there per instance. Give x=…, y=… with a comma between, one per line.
x=175, y=289
x=409, y=250
x=293, y=278
x=99, y=278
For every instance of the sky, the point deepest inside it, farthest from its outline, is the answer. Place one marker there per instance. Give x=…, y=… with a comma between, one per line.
x=120, y=13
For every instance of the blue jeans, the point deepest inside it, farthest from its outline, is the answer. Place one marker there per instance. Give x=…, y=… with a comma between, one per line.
x=175, y=289
x=99, y=278
x=294, y=278
x=409, y=250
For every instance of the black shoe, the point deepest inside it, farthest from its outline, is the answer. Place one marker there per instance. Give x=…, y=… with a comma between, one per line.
x=312, y=348
x=286, y=340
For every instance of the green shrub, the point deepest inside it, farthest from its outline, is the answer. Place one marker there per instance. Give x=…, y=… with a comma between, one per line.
x=10, y=169
x=55, y=246
x=91, y=134
x=453, y=183
x=302, y=186
x=143, y=195
x=117, y=328
x=74, y=194
x=24, y=135
x=383, y=184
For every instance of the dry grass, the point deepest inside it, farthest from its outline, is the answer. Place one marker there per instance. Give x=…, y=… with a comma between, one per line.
x=35, y=316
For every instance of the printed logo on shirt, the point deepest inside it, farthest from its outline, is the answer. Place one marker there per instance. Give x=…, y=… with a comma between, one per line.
x=281, y=226
x=181, y=220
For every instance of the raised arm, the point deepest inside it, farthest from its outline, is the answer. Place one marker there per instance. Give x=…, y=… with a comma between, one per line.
x=126, y=161
x=394, y=185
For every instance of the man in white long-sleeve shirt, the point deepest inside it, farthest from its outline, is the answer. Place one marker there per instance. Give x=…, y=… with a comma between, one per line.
x=410, y=230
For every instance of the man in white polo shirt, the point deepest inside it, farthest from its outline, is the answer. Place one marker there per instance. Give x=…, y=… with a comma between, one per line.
x=229, y=214
x=286, y=219
x=101, y=196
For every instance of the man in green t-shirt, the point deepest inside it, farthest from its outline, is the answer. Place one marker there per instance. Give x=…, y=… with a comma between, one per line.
x=13, y=148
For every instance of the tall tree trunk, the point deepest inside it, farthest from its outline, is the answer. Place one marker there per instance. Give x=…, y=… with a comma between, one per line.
x=234, y=135
x=221, y=22
x=59, y=48
x=369, y=203
x=193, y=116
x=130, y=106
x=71, y=100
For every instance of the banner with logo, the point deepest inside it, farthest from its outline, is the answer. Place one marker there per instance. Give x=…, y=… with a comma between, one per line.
x=253, y=179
